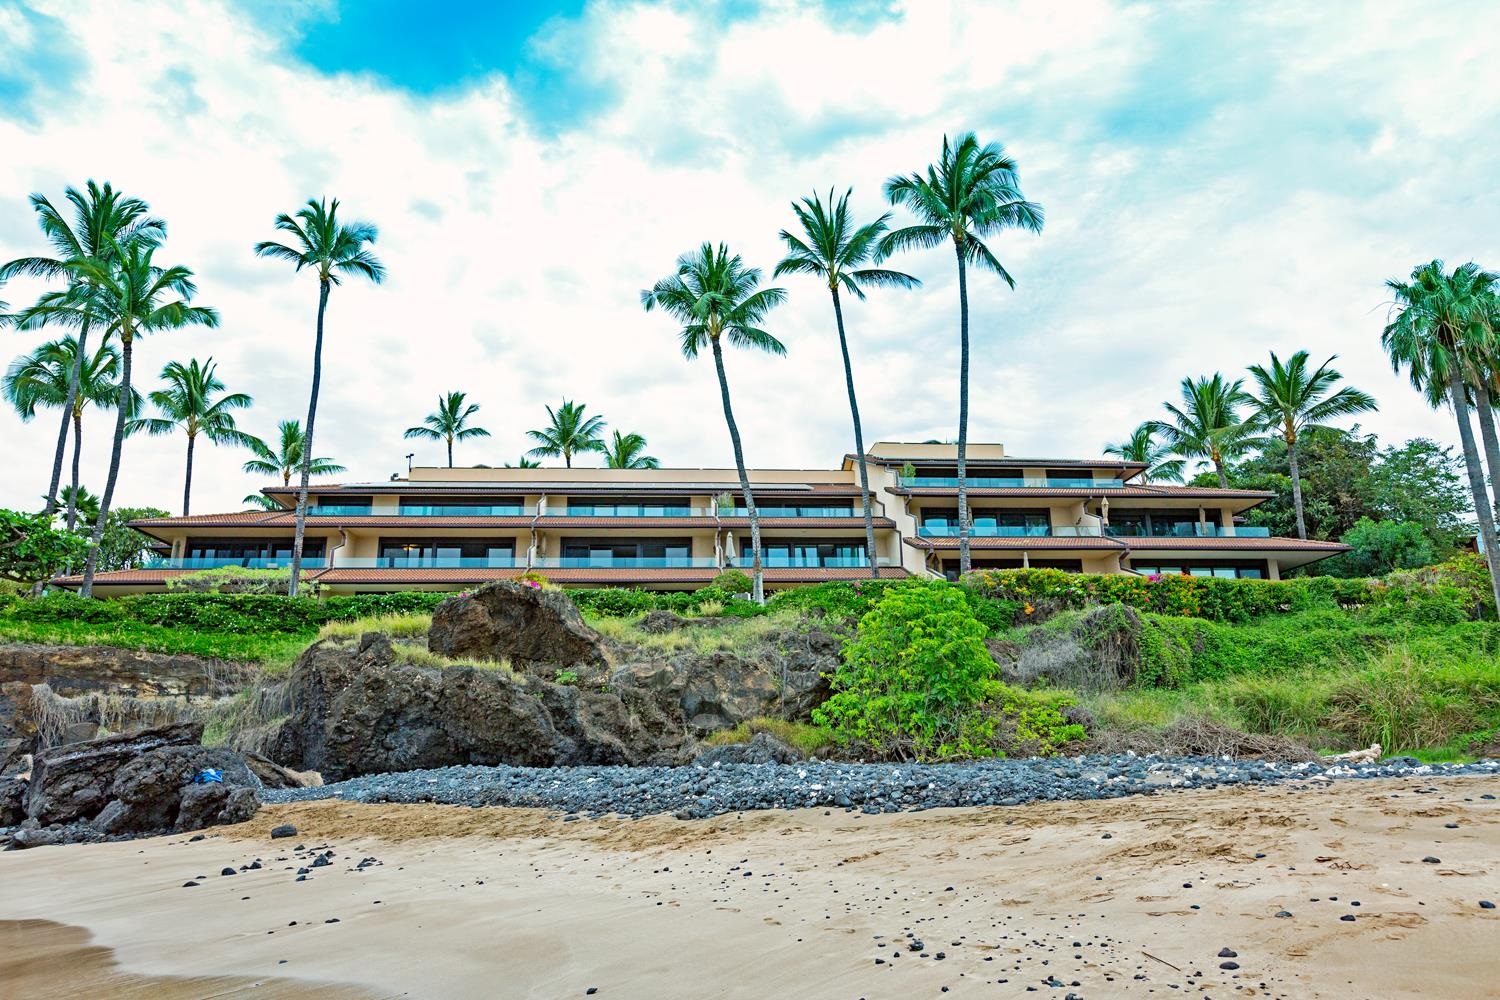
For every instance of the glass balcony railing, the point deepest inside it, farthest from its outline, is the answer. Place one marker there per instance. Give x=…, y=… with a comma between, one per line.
x=625, y=562
x=984, y=483
x=1011, y=531
x=792, y=512
x=245, y=562
x=813, y=562
x=417, y=510
x=1187, y=529
x=627, y=510
x=429, y=562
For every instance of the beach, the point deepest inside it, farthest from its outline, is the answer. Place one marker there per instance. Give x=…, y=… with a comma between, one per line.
x=1221, y=892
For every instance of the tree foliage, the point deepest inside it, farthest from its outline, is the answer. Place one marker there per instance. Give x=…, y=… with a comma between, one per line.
x=32, y=549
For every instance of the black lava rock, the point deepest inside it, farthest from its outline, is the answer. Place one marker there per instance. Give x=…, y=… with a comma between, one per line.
x=284, y=830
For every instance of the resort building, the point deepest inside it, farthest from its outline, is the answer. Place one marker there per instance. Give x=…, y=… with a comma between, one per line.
x=675, y=529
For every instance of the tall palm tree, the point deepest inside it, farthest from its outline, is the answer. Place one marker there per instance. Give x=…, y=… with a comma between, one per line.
x=1292, y=399
x=45, y=377
x=1209, y=425
x=1436, y=317
x=103, y=219
x=1143, y=447
x=717, y=299
x=332, y=249
x=285, y=458
x=568, y=432
x=626, y=451
x=832, y=248
x=972, y=192
x=1482, y=359
x=188, y=402
x=129, y=296
x=449, y=422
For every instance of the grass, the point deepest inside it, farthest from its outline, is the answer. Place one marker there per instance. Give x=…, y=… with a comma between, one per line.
x=272, y=650
x=737, y=633
x=395, y=626
x=809, y=739
x=421, y=656
x=1403, y=697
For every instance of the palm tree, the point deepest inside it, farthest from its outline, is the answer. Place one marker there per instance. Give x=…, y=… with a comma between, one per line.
x=1292, y=400
x=523, y=463
x=1208, y=424
x=103, y=219
x=130, y=296
x=1143, y=447
x=718, y=299
x=188, y=402
x=285, y=458
x=971, y=192
x=624, y=451
x=831, y=248
x=449, y=423
x=1436, y=318
x=45, y=377
x=568, y=433
x=332, y=249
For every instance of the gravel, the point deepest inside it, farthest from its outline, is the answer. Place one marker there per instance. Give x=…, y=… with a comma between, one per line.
x=698, y=791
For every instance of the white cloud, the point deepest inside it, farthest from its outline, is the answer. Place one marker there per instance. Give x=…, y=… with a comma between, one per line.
x=1195, y=220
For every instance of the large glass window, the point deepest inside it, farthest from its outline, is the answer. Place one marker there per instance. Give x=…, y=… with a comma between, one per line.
x=807, y=552
x=1015, y=521
x=447, y=551
x=1222, y=570
x=1160, y=523
x=629, y=506
x=250, y=548
x=609, y=551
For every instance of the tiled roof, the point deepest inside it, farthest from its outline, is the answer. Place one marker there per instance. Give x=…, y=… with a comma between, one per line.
x=1094, y=542
x=1151, y=492
x=1258, y=544
x=1091, y=463
x=616, y=576
x=579, y=489
x=289, y=520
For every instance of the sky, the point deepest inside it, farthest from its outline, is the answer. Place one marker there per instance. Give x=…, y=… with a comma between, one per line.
x=1219, y=181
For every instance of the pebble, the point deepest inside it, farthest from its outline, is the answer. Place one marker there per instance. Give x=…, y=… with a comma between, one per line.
x=697, y=791
x=228, y=871
x=1485, y=904
x=1348, y=917
x=1430, y=860
x=1227, y=953
x=1283, y=913
x=187, y=885
x=284, y=830
x=1229, y=965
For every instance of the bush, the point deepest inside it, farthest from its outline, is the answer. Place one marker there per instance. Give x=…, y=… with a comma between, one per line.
x=733, y=581
x=835, y=600
x=236, y=580
x=66, y=608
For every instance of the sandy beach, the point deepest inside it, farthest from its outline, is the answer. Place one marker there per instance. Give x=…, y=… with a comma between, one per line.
x=1095, y=899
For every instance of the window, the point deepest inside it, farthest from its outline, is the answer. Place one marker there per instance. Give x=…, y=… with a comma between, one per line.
x=1220, y=570
x=990, y=520
x=808, y=552
x=630, y=506
x=631, y=551
x=447, y=551
x=247, y=549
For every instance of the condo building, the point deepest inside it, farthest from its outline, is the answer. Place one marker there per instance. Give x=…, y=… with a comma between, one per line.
x=675, y=529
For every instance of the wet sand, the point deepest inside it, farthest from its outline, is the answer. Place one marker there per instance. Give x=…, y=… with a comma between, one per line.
x=1130, y=897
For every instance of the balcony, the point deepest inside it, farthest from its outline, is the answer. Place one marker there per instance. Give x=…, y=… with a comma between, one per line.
x=1011, y=531
x=417, y=510
x=859, y=561
x=429, y=562
x=793, y=512
x=1187, y=529
x=627, y=510
x=625, y=562
x=981, y=483
x=244, y=562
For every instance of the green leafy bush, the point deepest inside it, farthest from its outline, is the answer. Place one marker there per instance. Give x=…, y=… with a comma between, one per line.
x=63, y=608
x=733, y=581
x=836, y=600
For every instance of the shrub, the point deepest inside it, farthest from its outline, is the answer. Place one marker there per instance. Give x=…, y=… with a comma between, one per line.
x=237, y=580
x=914, y=677
x=64, y=607
x=836, y=600
x=733, y=581
x=809, y=739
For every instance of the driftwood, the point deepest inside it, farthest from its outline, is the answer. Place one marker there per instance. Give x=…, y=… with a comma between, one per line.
x=1369, y=755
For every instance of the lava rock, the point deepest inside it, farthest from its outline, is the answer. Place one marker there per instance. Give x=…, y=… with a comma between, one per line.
x=283, y=831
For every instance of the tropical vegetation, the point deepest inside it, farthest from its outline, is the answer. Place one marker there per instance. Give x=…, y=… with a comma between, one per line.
x=193, y=400
x=570, y=431
x=628, y=451
x=449, y=422
x=283, y=460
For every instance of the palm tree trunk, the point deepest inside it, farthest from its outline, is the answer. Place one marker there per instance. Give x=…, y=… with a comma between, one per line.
x=963, y=412
x=187, y=479
x=739, y=464
x=450, y=452
x=859, y=439
x=69, y=401
x=122, y=406
x=1291, y=455
x=1491, y=442
x=307, y=444
x=1219, y=468
x=1459, y=398
x=77, y=456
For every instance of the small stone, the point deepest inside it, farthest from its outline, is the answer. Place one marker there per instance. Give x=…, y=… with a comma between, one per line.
x=1450, y=826
x=1283, y=913
x=284, y=830
x=331, y=920
x=228, y=871
x=1108, y=836
x=1430, y=860
x=1348, y=917
x=187, y=885
x=1485, y=904
x=1228, y=953
x=195, y=838
x=591, y=991
x=1229, y=965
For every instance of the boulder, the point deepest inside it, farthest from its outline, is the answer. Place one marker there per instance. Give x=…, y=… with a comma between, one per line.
x=531, y=628
x=138, y=783
x=12, y=801
x=661, y=622
x=763, y=748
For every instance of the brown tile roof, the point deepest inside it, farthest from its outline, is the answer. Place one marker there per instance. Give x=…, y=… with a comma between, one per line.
x=1092, y=463
x=604, y=575
x=1258, y=544
x=1095, y=542
x=287, y=519
x=1156, y=492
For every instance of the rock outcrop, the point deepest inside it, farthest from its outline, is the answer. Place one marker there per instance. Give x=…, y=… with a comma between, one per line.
x=530, y=628
x=131, y=784
x=358, y=710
